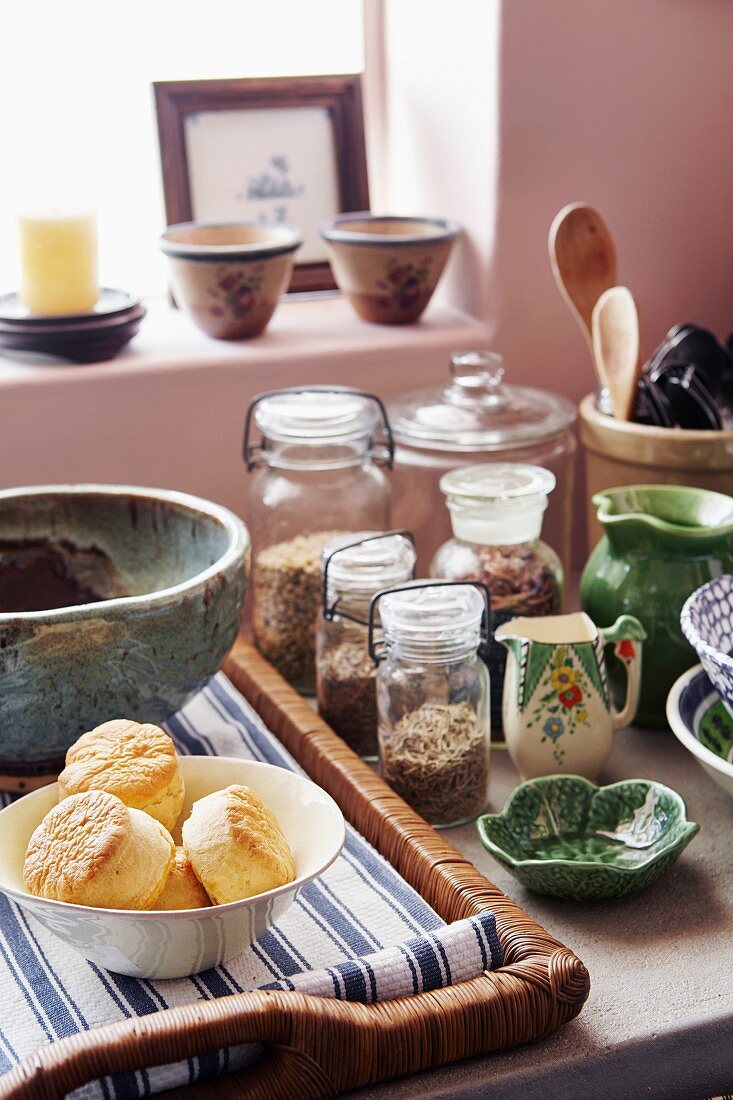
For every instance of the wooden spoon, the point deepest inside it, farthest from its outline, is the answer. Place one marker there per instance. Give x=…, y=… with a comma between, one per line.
x=617, y=348
x=583, y=259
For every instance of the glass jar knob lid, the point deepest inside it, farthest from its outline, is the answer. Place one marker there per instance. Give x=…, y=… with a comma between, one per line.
x=497, y=503
x=498, y=481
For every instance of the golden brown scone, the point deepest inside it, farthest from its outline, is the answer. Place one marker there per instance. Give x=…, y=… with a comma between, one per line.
x=236, y=846
x=91, y=849
x=182, y=890
x=136, y=763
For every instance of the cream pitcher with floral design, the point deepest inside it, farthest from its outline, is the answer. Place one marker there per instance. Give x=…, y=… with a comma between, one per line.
x=557, y=710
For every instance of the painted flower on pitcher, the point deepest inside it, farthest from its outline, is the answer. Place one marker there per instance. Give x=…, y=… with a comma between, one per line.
x=405, y=283
x=571, y=696
x=554, y=728
x=558, y=699
x=563, y=677
x=626, y=650
x=235, y=291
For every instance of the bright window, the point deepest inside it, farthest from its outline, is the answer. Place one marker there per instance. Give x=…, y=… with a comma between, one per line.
x=78, y=119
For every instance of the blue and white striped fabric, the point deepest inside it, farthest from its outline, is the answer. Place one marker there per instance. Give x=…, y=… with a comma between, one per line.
x=359, y=932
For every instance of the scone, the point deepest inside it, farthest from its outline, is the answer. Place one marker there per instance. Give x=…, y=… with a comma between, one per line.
x=182, y=890
x=137, y=763
x=91, y=849
x=236, y=846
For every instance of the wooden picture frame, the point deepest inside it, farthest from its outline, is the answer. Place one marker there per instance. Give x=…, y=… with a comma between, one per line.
x=202, y=117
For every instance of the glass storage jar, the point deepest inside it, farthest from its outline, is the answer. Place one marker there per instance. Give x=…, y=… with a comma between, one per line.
x=478, y=417
x=433, y=697
x=318, y=471
x=496, y=512
x=355, y=567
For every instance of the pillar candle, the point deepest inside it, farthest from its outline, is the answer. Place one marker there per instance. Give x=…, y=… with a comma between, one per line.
x=58, y=262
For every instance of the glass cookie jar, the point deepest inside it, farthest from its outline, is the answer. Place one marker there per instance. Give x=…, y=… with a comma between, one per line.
x=318, y=471
x=433, y=697
x=496, y=512
x=354, y=569
x=477, y=416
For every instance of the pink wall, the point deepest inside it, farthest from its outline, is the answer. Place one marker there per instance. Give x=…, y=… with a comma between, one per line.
x=626, y=104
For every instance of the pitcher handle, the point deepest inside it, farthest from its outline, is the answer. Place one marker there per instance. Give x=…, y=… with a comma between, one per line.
x=626, y=635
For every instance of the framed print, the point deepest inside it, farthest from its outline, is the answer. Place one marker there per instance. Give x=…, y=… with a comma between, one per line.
x=281, y=149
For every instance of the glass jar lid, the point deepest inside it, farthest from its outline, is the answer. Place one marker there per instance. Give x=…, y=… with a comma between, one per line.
x=433, y=621
x=315, y=415
x=497, y=503
x=478, y=411
x=368, y=561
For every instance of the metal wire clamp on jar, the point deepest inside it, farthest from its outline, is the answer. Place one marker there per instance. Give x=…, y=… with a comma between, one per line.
x=496, y=512
x=354, y=569
x=433, y=696
x=317, y=473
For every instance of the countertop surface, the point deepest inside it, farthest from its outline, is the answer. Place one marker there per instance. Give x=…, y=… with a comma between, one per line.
x=659, y=1019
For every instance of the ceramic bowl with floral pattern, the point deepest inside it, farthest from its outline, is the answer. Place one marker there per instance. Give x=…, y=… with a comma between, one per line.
x=387, y=266
x=229, y=277
x=562, y=836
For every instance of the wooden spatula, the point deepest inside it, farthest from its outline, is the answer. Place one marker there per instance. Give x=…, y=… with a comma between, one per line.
x=617, y=348
x=583, y=258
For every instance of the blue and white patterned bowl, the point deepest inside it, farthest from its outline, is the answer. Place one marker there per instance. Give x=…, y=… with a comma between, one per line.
x=701, y=723
x=707, y=623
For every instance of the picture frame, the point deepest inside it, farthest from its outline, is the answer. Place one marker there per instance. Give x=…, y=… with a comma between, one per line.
x=270, y=149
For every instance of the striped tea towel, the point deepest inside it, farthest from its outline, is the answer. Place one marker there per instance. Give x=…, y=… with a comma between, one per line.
x=358, y=932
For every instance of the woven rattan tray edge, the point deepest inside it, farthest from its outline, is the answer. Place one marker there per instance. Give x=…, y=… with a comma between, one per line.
x=320, y=1048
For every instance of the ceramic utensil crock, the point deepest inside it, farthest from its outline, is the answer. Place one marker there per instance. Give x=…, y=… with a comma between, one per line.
x=620, y=452
x=558, y=715
x=661, y=542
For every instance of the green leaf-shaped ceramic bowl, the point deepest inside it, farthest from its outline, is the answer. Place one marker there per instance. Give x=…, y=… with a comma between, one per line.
x=563, y=836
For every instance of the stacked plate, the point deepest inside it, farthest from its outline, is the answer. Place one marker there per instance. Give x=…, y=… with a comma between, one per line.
x=82, y=338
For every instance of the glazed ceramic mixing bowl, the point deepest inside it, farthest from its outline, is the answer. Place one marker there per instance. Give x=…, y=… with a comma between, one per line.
x=229, y=277
x=171, y=944
x=563, y=836
x=388, y=267
x=114, y=602
x=707, y=623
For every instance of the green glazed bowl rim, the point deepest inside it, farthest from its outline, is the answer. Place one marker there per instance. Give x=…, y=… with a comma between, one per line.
x=238, y=544
x=688, y=829
x=602, y=501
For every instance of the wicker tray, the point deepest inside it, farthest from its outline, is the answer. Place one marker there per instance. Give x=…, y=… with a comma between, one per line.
x=319, y=1048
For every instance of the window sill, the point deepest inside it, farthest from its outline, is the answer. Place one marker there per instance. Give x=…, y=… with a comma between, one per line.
x=302, y=333
x=170, y=410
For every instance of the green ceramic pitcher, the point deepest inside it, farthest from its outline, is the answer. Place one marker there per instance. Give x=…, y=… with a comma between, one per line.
x=661, y=542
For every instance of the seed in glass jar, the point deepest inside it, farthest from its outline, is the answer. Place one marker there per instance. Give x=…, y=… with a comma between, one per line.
x=436, y=758
x=347, y=697
x=287, y=590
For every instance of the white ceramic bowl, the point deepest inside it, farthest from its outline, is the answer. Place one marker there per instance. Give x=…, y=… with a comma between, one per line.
x=690, y=699
x=179, y=942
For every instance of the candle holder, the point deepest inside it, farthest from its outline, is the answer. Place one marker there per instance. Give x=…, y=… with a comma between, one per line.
x=91, y=337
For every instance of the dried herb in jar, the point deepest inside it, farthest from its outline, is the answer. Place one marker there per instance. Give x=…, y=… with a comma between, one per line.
x=436, y=758
x=519, y=578
x=347, y=697
x=287, y=590
x=523, y=579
